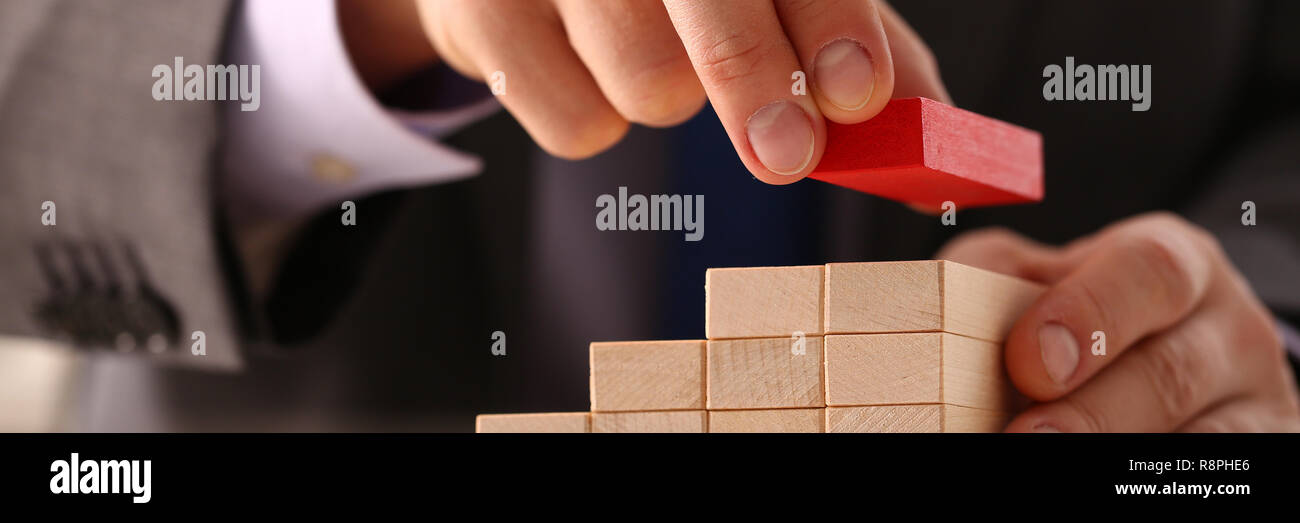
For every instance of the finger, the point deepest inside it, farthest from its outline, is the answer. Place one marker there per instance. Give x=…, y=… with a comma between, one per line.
x=916, y=72
x=1156, y=386
x=1084, y=246
x=433, y=17
x=1000, y=250
x=843, y=47
x=1258, y=354
x=546, y=87
x=1138, y=283
x=636, y=58
x=1245, y=415
x=745, y=63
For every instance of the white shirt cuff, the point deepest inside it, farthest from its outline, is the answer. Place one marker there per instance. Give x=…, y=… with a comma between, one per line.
x=319, y=136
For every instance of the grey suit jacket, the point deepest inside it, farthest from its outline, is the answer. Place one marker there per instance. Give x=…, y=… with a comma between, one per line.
x=130, y=263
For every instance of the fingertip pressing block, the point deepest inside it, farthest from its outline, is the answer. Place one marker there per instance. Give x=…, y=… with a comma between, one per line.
x=921, y=151
x=914, y=418
x=761, y=302
x=676, y=421
x=549, y=422
x=917, y=368
x=924, y=296
x=767, y=420
x=647, y=375
x=765, y=373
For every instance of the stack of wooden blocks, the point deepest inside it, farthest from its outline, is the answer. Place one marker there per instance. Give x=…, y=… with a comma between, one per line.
x=842, y=347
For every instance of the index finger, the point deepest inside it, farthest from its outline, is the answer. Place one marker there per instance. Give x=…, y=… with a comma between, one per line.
x=745, y=62
x=1003, y=251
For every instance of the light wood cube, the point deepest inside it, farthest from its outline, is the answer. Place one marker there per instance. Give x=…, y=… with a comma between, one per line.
x=765, y=373
x=915, y=368
x=924, y=296
x=914, y=418
x=763, y=302
x=767, y=420
x=678, y=421
x=647, y=375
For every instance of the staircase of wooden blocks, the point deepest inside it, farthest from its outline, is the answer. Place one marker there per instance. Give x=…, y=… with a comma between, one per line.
x=843, y=347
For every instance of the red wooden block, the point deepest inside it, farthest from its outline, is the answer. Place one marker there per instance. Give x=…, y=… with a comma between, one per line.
x=921, y=151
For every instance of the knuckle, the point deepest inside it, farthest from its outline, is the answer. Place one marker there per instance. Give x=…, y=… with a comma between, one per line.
x=1204, y=237
x=665, y=94
x=1092, y=418
x=732, y=57
x=1178, y=374
x=809, y=9
x=1257, y=334
x=662, y=109
x=1161, y=255
x=1168, y=221
x=1171, y=266
x=1169, y=224
x=582, y=139
x=1096, y=305
x=451, y=26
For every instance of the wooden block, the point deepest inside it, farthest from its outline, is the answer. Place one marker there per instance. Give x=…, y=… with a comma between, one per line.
x=983, y=304
x=965, y=419
x=768, y=420
x=763, y=302
x=533, y=423
x=893, y=418
x=883, y=297
x=922, y=151
x=917, y=368
x=765, y=373
x=693, y=421
x=924, y=296
x=914, y=418
x=647, y=375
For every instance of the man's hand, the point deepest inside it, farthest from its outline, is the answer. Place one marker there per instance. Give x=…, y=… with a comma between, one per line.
x=578, y=71
x=385, y=40
x=1188, y=346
